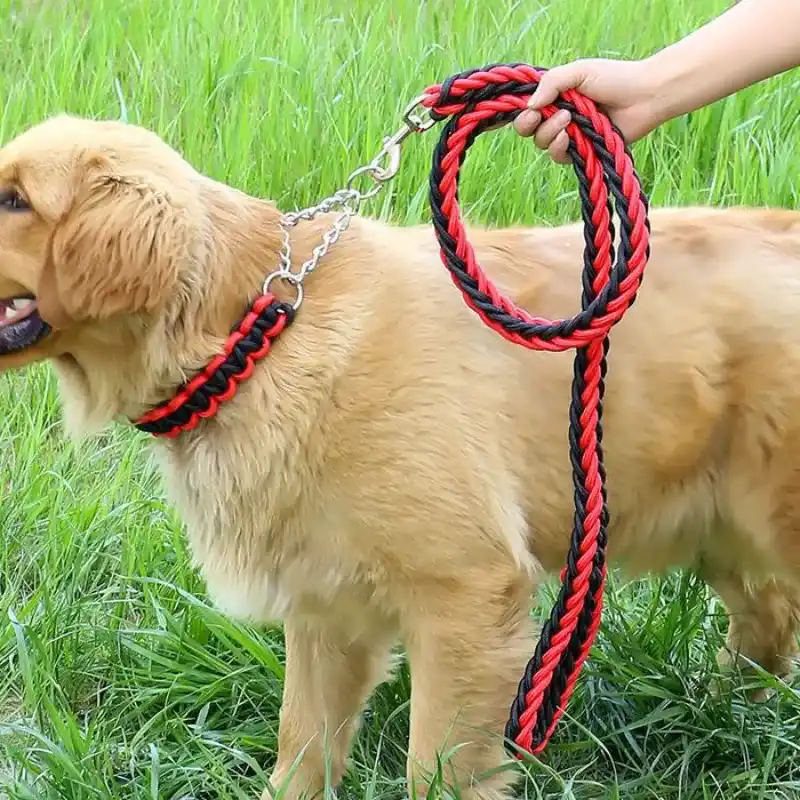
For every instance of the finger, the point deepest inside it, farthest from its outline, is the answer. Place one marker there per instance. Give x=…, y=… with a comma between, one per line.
x=556, y=81
x=527, y=122
x=558, y=150
x=547, y=132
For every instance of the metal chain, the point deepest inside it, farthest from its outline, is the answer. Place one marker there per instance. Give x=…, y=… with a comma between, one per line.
x=380, y=170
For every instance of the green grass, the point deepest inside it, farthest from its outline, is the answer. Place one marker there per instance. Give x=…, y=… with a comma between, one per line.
x=118, y=679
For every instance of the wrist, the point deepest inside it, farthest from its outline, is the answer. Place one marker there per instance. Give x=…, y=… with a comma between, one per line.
x=666, y=85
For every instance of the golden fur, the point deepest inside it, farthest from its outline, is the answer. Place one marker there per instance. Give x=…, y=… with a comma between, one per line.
x=394, y=470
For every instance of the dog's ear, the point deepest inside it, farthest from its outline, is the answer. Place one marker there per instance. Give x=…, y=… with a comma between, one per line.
x=118, y=249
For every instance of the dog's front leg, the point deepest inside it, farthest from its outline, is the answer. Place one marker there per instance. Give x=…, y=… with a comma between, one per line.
x=329, y=675
x=468, y=644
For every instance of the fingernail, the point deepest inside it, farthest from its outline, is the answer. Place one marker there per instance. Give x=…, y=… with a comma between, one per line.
x=527, y=122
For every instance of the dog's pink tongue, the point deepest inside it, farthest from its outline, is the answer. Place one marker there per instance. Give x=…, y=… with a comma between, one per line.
x=14, y=308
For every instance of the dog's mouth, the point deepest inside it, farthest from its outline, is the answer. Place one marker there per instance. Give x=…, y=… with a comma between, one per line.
x=20, y=324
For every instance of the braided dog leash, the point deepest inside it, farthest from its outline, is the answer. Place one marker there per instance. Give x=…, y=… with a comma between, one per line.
x=473, y=102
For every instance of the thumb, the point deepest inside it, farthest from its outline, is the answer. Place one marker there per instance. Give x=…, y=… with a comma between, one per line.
x=556, y=81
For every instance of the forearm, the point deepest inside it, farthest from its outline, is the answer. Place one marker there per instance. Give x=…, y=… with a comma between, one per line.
x=754, y=40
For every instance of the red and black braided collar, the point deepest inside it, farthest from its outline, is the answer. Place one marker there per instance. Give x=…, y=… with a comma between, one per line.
x=249, y=341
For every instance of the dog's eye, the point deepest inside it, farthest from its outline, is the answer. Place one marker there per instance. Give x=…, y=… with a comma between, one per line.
x=12, y=200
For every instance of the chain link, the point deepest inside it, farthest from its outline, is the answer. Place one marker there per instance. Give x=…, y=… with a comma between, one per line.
x=380, y=171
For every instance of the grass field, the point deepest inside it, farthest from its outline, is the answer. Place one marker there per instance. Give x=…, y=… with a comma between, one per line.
x=118, y=679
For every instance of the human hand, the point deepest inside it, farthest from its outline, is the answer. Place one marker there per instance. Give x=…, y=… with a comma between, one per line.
x=693, y=72
x=624, y=90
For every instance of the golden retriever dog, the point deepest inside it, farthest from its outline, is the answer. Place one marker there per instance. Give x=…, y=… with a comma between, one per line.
x=394, y=470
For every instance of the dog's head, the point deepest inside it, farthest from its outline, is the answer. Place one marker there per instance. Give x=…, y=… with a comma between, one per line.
x=121, y=263
x=106, y=241
x=95, y=223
